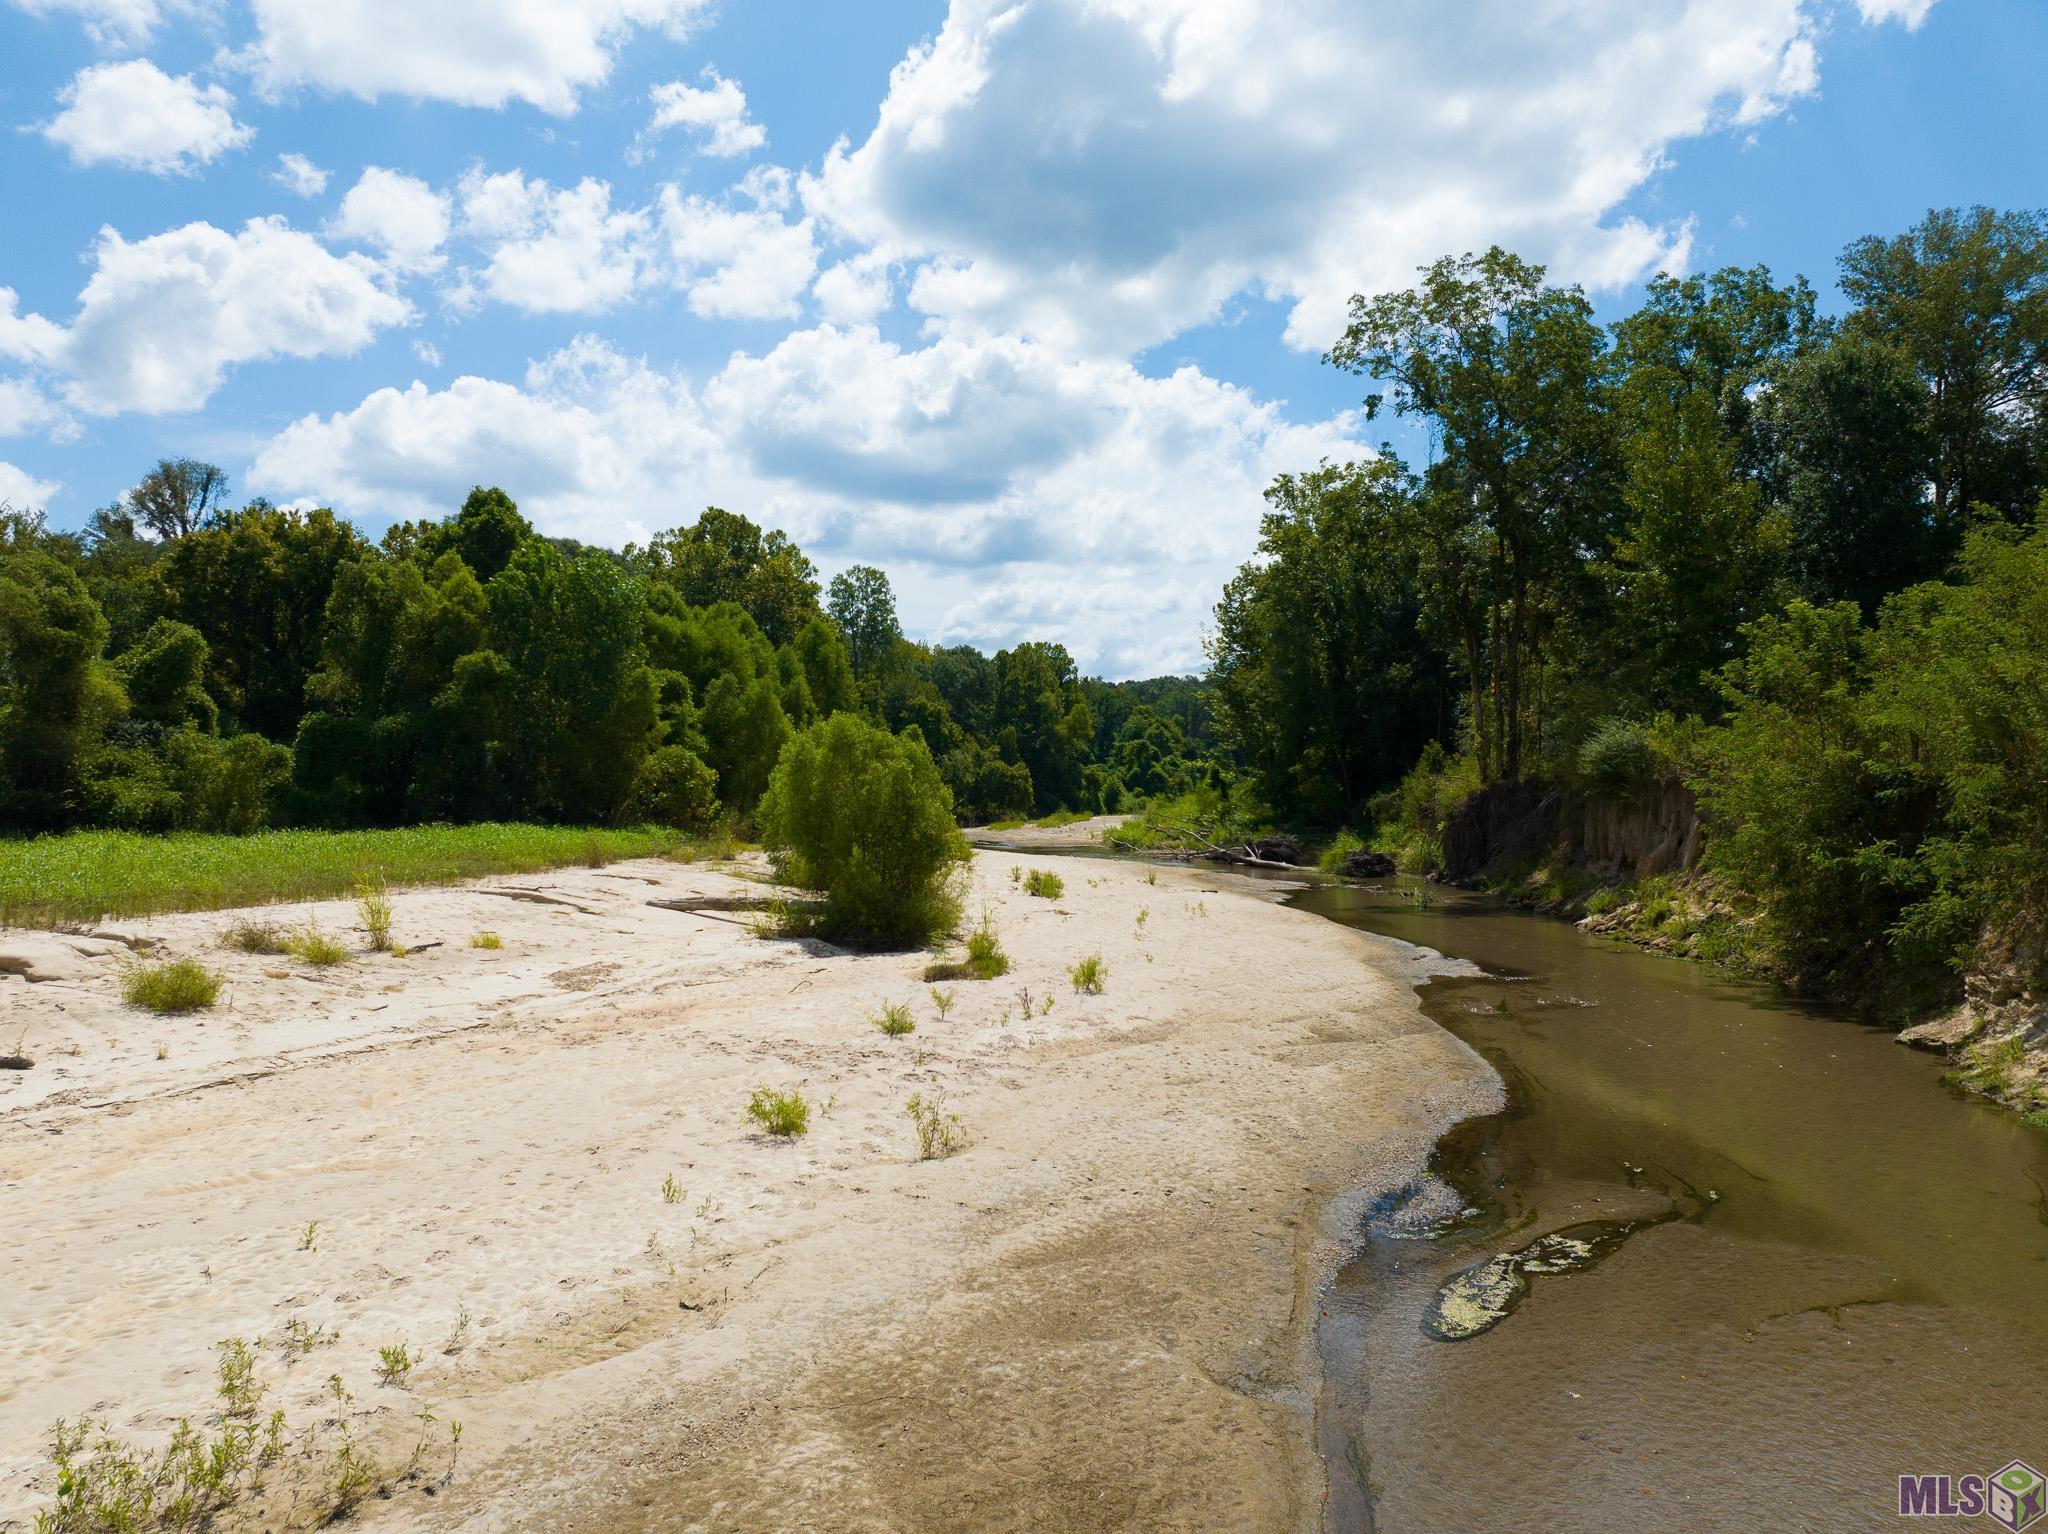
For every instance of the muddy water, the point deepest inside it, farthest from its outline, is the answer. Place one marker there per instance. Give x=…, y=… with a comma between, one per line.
x=1724, y=1264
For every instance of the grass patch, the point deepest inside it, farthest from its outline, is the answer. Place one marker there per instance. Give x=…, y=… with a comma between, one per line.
x=181, y=985
x=895, y=1019
x=1088, y=975
x=310, y=945
x=1044, y=883
x=253, y=937
x=938, y=1132
x=373, y=904
x=985, y=957
x=485, y=940
x=85, y=875
x=783, y=1114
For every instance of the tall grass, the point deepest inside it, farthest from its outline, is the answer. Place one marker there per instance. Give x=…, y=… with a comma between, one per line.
x=85, y=875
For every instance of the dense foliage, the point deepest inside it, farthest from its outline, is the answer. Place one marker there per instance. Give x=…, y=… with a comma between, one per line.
x=863, y=817
x=182, y=665
x=1795, y=559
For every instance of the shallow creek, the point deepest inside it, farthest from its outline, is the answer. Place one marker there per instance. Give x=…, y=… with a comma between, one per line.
x=1724, y=1263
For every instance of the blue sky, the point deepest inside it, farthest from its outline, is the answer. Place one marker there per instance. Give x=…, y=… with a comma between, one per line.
x=1020, y=299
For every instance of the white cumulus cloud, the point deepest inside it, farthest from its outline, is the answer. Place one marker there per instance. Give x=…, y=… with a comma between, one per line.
x=133, y=114
x=740, y=259
x=715, y=112
x=299, y=176
x=109, y=22
x=1910, y=13
x=398, y=214
x=983, y=473
x=22, y=491
x=554, y=249
x=472, y=53
x=1103, y=174
x=162, y=319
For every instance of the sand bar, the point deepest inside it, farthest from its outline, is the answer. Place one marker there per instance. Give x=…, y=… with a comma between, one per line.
x=1096, y=1316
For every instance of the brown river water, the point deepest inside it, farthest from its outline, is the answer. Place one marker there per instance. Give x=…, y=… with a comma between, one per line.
x=1724, y=1263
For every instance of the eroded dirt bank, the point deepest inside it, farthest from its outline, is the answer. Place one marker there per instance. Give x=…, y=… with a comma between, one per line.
x=1095, y=1316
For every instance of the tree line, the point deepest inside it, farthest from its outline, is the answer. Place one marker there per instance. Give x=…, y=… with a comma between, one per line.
x=1798, y=560
x=184, y=664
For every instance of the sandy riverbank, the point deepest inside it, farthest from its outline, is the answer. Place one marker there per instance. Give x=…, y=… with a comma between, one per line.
x=1096, y=1316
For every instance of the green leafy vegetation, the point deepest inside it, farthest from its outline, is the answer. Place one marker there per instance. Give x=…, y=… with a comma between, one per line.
x=985, y=957
x=486, y=939
x=177, y=985
x=782, y=1114
x=311, y=945
x=863, y=817
x=938, y=1131
x=1044, y=883
x=87, y=875
x=181, y=665
x=1792, y=561
x=1088, y=975
x=895, y=1019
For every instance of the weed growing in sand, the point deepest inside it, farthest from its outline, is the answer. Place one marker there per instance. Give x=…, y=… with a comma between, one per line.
x=310, y=945
x=1152, y=876
x=895, y=1019
x=1088, y=975
x=247, y=936
x=17, y=1061
x=1144, y=915
x=1016, y=873
x=373, y=905
x=163, y=1051
x=1045, y=1007
x=1024, y=1003
x=301, y=1339
x=353, y=1477
x=458, y=1334
x=393, y=1364
x=938, y=1132
x=309, y=1235
x=107, y=1486
x=1044, y=883
x=784, y=1114
x=672, y=1192
x=942, y=1000
x=181, y=985
x=485, y=940
x=985, y=957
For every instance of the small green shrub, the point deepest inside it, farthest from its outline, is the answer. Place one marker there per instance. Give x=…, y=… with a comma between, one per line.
x=1603, y=900
x=1616, y=759
x=784, y=1114
x=895, y=1019
x=310, y=945
x=864, y=817
x=373, y=904
x=394, y=1363
x=180, y=985
x=485, y=940
x=1044, y=883
x=672, y=1192
x=247, y=936
x=1088, y=975
x=942, y=1000
x=938, y=1131
x=985, y=957
x=1342, y=845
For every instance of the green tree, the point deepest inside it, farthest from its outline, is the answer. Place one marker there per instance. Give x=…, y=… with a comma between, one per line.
x=1325, y=682
x=862, y=604
x=178, y=496
x=1850, y=459
x=56, y=694
x=1964, y=295
x=863, y=817
x=723, y=557
x=1510, y=376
